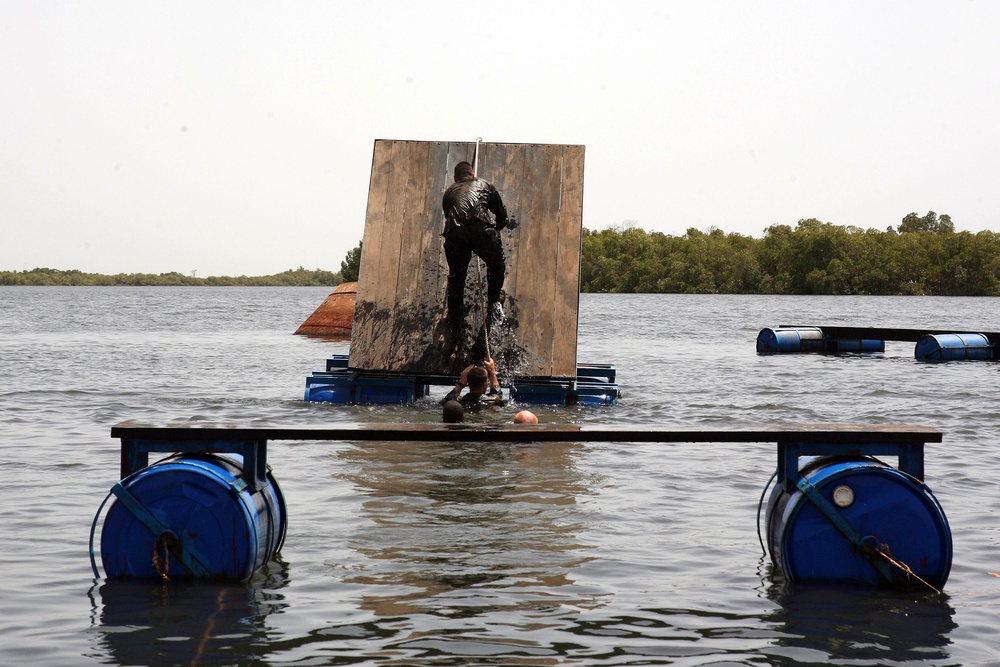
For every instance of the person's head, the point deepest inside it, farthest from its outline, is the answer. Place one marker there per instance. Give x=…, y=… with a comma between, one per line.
x=525, y=417
x=463, y=170
x=478, y=377
x=453, y=413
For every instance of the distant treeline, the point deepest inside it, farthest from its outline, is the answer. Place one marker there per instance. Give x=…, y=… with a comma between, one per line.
x=292, y=278
x=923, y=255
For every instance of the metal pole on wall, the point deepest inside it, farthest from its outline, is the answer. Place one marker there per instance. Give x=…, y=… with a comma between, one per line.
x=475, y=158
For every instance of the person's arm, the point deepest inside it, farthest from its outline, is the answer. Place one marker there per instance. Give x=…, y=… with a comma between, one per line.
x=495, y=204
x=463, y=382
x=491, y=371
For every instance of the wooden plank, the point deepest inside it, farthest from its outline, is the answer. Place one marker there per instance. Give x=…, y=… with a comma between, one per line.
x=566, y=304
x=846, y=435
x=415, y=225
x=385, y=292
x=434, y=271
x=539, y=263
x=510, y=166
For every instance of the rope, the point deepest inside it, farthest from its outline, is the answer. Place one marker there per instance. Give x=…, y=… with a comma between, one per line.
x=760, y=504
x=483, y=289
x=93, y=530
x=883, y=551
x=161, y=564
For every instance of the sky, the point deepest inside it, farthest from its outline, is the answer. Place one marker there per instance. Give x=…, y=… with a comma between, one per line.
x=235, y=137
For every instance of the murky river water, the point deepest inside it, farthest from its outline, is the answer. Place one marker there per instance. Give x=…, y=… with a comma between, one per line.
x=437, y=554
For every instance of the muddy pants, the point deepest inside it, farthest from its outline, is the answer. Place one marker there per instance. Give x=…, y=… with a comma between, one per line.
x=459, y=245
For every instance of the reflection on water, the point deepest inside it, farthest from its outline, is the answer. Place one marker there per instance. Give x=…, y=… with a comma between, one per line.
x=465, y=530
x=146, y=622
x=819, y=622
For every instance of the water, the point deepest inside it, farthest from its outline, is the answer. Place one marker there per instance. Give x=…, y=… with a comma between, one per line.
x=437, y=554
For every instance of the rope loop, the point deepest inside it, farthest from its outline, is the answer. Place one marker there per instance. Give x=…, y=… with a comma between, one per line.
x=166, y=543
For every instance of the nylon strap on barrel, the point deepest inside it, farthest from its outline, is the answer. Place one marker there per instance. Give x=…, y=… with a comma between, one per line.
x=869, y=547
x=158, y=529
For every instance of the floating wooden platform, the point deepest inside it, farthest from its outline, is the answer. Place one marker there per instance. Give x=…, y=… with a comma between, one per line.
x=815, y=529
x=793, y=441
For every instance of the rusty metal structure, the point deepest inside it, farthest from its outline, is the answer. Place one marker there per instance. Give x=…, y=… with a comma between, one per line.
x=335, y=315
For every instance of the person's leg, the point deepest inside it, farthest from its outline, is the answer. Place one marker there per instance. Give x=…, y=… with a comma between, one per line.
x=496, y=269
x=458, y=254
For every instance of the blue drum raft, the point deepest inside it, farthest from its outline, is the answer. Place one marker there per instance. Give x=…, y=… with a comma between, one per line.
x=213, y=510
x=930, y=345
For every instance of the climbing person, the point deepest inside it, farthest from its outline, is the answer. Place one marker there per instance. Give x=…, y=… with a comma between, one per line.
x=468, y=229
x=483, y=385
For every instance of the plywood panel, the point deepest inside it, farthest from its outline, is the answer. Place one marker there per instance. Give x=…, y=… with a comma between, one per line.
x=399, y=323
x=566, y=299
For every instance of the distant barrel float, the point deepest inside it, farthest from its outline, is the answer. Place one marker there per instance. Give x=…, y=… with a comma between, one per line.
x=784, y=340
x=954, y=347
x=931, y=345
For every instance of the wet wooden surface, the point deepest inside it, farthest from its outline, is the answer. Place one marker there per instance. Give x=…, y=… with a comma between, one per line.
x=847, y=435
x=399, y=320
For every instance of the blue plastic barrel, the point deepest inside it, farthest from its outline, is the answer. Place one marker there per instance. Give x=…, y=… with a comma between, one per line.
x=883, y=505
x=790, y=339
x=953, y=347
x=192, y=515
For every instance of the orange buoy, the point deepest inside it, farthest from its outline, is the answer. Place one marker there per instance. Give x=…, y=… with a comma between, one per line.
x=334, y=316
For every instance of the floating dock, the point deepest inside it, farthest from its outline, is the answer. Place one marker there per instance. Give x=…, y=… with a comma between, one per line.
x=835, y=513
x=931, y=344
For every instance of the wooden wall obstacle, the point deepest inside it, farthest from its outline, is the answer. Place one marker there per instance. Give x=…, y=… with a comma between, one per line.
x=399, y=317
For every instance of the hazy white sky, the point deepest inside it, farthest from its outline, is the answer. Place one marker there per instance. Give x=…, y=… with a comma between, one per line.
x=235, y=137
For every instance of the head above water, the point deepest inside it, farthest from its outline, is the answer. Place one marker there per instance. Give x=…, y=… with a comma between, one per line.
x=463, y=170
x=525, y=417
x=478, y=378
x=453, y=413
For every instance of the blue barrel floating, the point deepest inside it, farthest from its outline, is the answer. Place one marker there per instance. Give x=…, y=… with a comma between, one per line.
x=784, y=340
x=858, y=519
x=192, y=515
x=790, y=339
x=953, y=347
